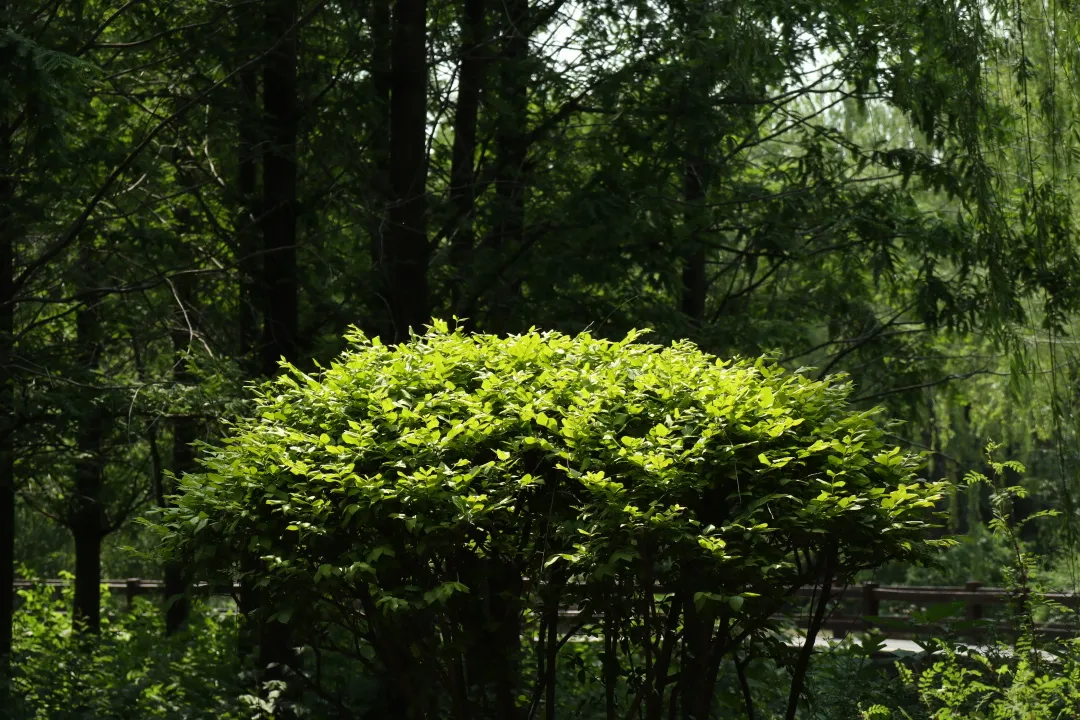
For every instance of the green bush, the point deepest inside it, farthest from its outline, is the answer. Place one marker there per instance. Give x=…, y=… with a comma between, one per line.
x=1030, y=678
x=426, y=510
x=998, y=685
x=129, y=671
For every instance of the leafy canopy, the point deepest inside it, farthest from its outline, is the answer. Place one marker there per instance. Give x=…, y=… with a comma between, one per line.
x=407, y=478
x=452, y=433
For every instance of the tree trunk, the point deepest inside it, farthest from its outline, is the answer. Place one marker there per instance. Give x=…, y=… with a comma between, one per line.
x=406, y=251
x=511, y=136
x=473, y=22
x=279, y=187
x=87, y=517
x=694, y=277
x=694, y=106
x=379, y=142
x=280, y=276
x=249, y=258
x=87, y=605
x=7, y=404
x=802, y=663
x=511, y=150
x=692, y=683
x=249, y=255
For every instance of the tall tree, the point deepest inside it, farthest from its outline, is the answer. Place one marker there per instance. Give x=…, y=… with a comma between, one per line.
x=280, y=276
x=406, y=250
x=511, y=146
x=698, y=127
x=380, y=21
x=7, y=387
x=472, y=60
x=9, y=120
x=87, y=518
x=279, y=289
x=247, y=223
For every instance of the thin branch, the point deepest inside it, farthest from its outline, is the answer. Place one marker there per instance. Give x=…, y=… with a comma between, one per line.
x=932, y=383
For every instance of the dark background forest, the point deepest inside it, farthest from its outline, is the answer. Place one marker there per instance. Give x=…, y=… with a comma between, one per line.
x=192, y=191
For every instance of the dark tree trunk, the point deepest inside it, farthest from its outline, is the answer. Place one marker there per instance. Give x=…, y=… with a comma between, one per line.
x=7, y=404
x=511, y=151
x=176, y=591
x=379, y=138
x=87, y=605
x=87, y=518
x=247, y=240
x=280, y=286
x=405, y=251
x=693, y=676
x=694, y=106
x=802, y=663
x=694, y=277
x=280, y=276
x=511, y=133
x=473, y=22
x=249, y=249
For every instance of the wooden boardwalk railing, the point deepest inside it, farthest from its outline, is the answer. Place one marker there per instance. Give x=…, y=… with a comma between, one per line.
x=974, y=597
x=867, y=599
x=130, y=588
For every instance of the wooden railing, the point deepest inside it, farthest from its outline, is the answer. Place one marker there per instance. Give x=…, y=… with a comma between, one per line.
x=974, y=597
x=857, y=607
x=130, y=588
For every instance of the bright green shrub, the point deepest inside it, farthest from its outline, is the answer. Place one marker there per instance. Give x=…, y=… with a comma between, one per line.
x=427, y=509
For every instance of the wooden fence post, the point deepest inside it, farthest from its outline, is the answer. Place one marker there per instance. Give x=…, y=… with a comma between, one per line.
x=871, y=603
x=973, y=608
x=131, y=589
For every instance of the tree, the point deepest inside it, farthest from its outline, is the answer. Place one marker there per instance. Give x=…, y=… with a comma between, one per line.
x=280, y=288
x=405, y=250
x=7, y=382
x=86, y=516
x=884, y=190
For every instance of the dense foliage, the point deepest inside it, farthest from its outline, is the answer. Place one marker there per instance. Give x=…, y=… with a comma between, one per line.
x=410, y=503
x=191, y=191
x=129, y=671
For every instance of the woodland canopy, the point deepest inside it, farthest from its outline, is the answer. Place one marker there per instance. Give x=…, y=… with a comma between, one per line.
x=880, y=196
